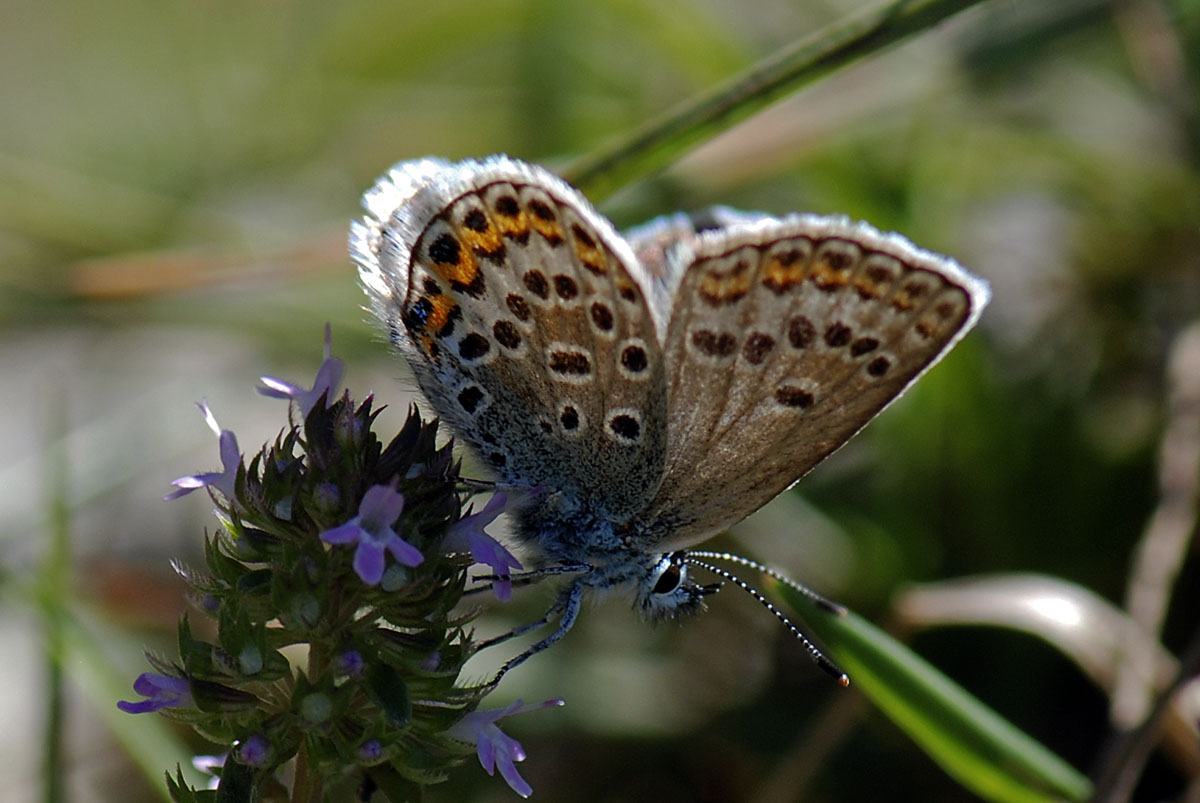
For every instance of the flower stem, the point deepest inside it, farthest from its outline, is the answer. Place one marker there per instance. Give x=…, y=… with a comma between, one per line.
x=700, y=119
x=309, y=784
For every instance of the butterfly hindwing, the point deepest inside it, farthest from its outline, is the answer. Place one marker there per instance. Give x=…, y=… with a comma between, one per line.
x=786, y=337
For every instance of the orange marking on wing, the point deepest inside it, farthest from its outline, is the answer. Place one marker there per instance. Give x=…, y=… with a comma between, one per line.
x=487, y=240
x=867, y=289
x=779, y=277
x=718, y=288
x=588, y=252
x=827, y=277
x=461, y=273
x=440, y=309
x=550, y=229
x=515, y=226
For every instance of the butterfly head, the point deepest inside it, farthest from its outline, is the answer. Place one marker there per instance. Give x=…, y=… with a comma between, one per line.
x=666, y=591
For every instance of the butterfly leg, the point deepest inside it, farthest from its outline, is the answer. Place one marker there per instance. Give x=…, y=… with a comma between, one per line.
x=532, y=577
x=569, y=604
x=517, y=631
x=527, y=578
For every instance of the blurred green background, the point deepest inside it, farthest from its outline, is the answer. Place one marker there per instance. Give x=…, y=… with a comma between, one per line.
x=176, y=178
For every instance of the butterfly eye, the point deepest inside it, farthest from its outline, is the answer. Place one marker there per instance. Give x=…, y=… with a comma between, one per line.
x=669, y=578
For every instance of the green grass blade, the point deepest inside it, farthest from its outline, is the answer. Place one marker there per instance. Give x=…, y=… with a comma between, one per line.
x=664, y=140
x=52, y=589
x=975, y=745
x=150, y=740
x=83, y=648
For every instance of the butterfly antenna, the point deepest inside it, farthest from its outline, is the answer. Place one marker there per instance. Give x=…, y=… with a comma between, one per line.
x=814, y=652
x=821, y=602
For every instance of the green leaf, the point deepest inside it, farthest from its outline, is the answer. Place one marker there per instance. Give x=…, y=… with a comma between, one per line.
x=389, y=692
x=256, y=581
x=237, y=784
x=975, y=745
x=393, y=786
x=180, y=791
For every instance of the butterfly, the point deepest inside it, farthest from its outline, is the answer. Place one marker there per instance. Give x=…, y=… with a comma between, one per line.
x=652, y=389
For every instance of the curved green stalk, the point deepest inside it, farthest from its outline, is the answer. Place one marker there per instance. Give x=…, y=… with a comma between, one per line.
x=697, y=120
x=976, y=746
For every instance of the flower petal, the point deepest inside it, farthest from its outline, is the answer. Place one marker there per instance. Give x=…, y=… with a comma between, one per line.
x=230, y=456
x=161, y=691
x=209, y=418
x=404, y=552
x=368, y=562
x=347, y=533
x=485, y=549
x=278, y=388
x=493, y=746
x=329, y=377
x=487, y=754
x=380, y=507
x=150, y=683
x=141, y=706
x=508, y=771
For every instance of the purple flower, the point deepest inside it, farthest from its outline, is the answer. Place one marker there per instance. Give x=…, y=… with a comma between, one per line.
x=493, y=746
x=467, y=535
x=350, y=662
x=329, y=377
x=372, y=530
x=370, y=751
x=160, y=691
x=254, y=751
x=231, y=461
x=211, y=766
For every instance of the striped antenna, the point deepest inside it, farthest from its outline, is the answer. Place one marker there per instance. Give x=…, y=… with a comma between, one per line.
x=814, y=652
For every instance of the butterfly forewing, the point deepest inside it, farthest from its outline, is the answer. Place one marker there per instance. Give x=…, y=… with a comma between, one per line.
x=530, y=336
x=786, y=337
